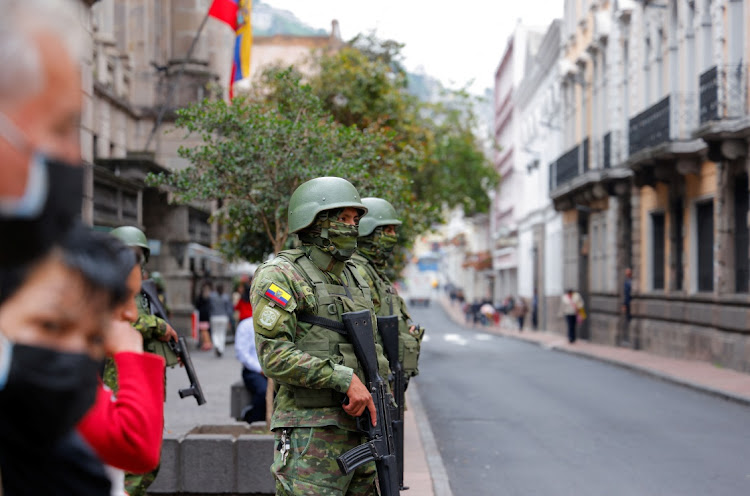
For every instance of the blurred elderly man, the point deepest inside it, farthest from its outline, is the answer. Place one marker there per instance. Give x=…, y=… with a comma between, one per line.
x=41, y=44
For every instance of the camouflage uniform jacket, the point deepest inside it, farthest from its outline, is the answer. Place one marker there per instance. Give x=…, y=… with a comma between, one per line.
x=282, y=290
x=150, y=326
x=386, y=301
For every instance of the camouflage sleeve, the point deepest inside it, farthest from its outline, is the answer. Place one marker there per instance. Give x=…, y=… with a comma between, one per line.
x=150, y=326
x=275, y=295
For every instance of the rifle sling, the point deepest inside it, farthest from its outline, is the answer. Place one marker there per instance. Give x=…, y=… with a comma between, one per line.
x=330, y=324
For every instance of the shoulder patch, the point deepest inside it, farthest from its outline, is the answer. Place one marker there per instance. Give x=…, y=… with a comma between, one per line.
x=268, y=318
x=277, y=294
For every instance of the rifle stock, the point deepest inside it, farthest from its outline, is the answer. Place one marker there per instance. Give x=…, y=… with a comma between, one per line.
x=380, y=446
x=179, y=347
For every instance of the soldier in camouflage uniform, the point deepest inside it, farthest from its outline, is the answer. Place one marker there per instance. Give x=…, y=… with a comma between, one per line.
x=377, y=239
x=156, y=333
x=314, y=367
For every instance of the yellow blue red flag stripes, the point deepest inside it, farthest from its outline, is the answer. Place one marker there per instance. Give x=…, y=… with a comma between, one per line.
x=236, y=13
x=278, y=295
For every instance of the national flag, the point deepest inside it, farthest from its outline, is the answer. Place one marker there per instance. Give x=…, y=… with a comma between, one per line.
x=236, y=13
x=278, y=295
x=225, y=11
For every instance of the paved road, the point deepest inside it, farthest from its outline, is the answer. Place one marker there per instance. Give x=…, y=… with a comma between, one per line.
x=511, y=418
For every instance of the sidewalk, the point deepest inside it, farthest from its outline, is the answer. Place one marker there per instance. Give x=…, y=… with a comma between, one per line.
x=698, y=375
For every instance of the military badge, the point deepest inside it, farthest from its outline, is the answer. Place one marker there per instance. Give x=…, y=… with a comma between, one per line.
x=278, y=295
x=268, y=318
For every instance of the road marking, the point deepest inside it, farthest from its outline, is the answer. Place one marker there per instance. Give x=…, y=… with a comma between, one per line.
x=426, y=337
x=455, y=338
x=484, y=337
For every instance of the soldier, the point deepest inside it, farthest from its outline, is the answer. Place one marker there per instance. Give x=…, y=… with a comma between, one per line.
x=314, y=367
x=156, y=334
x=377, y=239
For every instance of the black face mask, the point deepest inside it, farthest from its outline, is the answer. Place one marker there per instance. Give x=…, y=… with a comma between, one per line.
x=25, y=239
x=45, y=395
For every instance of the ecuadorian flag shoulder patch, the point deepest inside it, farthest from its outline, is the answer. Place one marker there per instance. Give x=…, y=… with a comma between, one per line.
x=275, y=293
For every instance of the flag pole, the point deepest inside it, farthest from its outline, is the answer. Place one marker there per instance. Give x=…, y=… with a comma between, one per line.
x=173, y=83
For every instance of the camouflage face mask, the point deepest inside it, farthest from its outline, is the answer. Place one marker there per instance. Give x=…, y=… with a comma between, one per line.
x=344, y=238
x=378, y=246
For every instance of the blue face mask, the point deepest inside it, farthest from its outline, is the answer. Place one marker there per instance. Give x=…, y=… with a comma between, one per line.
x=50, y=204
x=34, y=197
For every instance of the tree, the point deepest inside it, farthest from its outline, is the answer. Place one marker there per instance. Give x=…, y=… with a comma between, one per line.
x=364, y=84
x=259, y=148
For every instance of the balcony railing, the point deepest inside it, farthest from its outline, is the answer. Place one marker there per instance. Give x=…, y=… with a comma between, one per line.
x=709, y=95
x=607, y=151
x=569, y=165
x=650, y=127
x=723, y=93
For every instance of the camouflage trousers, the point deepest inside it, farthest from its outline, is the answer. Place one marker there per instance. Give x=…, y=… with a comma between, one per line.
x=137, y=484
x=309, y=465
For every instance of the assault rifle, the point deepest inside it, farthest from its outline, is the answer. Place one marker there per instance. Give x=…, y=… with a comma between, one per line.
x=179, y=347
x=380, y=446
x=388, y=328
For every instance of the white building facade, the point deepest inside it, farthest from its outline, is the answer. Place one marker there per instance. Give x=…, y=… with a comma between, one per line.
x=508, y=161
x=537, y=109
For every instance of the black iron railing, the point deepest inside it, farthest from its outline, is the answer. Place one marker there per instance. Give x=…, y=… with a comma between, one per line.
x=709, y=95
x=650, y=127
x=585, y=151
x=607, y=150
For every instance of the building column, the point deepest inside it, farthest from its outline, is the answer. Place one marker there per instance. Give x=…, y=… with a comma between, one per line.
x=724, y=230
x=636, y=261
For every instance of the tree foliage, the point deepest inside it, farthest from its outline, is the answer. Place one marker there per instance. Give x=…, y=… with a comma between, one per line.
x=355, y=119
x=258, y=149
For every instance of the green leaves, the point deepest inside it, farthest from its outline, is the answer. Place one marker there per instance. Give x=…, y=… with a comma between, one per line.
x=355, y=119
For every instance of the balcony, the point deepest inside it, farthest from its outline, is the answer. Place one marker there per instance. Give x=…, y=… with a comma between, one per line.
x=569, y=165
x=650, y=127
x=607, y=150
x=674, y=118
x=723, y=93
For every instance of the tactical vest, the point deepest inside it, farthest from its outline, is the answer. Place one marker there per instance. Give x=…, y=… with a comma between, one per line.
x=390, y=304
x=331, y=300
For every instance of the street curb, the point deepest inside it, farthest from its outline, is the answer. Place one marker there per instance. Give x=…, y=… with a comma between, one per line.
x=702, y=388
x=439, y=476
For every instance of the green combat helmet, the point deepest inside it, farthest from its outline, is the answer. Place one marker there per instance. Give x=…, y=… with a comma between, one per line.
x=158, y=279
x=319, y=194
x=379, y=213
x=132, y=236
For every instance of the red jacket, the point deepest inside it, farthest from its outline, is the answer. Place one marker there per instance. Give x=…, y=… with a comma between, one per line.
x=245, y=309
x=126, y=430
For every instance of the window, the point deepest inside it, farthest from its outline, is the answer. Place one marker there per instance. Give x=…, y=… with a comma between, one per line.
x=704, y=213
x=741, y=248
x=657, y=250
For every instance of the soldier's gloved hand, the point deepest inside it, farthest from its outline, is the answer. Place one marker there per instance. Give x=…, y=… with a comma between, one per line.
x=170, y=334
x=359, y=399
x=122, y=337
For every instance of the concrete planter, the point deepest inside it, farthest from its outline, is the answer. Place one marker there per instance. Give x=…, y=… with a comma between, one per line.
x=216, y=459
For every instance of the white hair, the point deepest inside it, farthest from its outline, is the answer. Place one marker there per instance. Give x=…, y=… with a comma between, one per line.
x=20, y=22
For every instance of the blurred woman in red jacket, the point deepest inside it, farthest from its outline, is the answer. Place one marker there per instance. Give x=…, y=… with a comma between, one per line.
x=125, y=430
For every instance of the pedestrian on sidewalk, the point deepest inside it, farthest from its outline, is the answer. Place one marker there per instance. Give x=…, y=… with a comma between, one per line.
x=204, y=316
x=219, y=319
x=521, y=310
x=572, y=308
x=252, y=374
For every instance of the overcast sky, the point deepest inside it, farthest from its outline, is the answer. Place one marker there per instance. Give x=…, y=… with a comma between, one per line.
x=455, y=41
